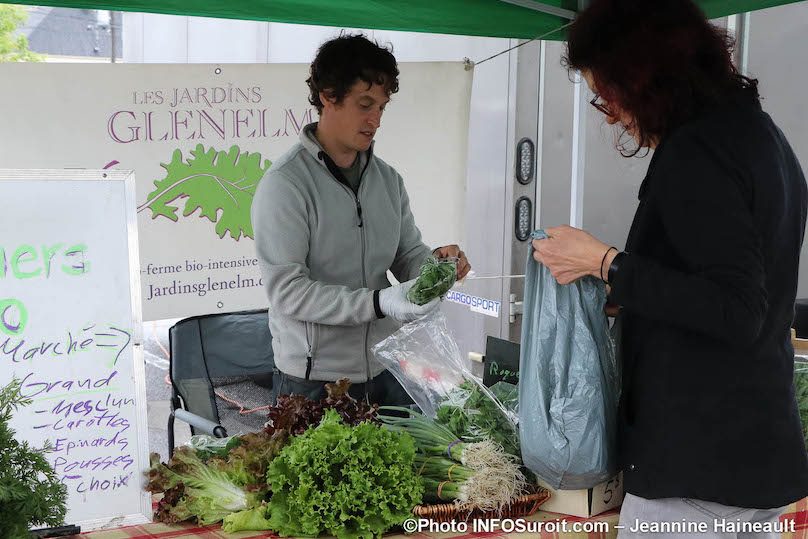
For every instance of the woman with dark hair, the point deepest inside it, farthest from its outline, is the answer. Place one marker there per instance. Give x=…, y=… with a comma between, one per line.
x=709, y=427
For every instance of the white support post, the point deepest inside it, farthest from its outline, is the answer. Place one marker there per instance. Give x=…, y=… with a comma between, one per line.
x=738, y=27
x=578, y=145
x=578, y=153
x=540, y=137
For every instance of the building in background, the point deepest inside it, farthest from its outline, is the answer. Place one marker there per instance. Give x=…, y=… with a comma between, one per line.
x=74, y=35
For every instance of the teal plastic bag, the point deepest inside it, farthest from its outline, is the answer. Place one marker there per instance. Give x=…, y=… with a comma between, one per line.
x=568, y=381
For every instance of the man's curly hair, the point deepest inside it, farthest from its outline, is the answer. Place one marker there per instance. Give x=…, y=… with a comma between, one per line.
x=344, y=60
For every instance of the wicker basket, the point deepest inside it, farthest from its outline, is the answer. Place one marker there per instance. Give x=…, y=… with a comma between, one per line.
x=519, y=507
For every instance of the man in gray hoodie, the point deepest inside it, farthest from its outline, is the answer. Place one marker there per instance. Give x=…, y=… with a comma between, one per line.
x=330, y=219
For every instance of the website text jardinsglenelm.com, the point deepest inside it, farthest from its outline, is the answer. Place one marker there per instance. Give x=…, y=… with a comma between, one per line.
x=200, y=285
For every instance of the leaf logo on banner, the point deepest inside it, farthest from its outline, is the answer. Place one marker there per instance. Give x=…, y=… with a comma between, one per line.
x=220, y=184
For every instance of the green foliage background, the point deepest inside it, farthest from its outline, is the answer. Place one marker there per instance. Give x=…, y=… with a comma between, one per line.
x=13, y=47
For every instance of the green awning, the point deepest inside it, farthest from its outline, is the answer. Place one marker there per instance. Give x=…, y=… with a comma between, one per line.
x=492, y=18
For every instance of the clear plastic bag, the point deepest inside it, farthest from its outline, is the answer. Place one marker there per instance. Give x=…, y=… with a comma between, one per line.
x=508, y=395
x=425, y=359
x=436, y=278
x=209, y=446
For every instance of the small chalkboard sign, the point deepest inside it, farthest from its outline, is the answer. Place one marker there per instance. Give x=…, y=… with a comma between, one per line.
x=501, y=362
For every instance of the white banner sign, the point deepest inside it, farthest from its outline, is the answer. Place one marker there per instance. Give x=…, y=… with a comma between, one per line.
x=200, y=138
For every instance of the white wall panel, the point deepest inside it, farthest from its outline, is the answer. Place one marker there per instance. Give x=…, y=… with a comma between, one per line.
x=778, y=46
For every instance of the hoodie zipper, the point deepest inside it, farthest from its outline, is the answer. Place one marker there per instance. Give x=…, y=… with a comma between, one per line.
x=337, y=175
x=364, y=285
x=311, y=340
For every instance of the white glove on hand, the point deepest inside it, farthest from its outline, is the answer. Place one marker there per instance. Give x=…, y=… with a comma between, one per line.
x=393, y=302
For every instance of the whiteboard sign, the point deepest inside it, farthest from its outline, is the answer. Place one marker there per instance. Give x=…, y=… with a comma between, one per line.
x=70, y=331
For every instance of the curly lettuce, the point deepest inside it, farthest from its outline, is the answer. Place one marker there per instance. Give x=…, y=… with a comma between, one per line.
x=350, y=482
x=248, y=520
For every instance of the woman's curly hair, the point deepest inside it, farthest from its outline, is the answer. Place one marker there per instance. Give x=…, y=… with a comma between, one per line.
x=661, y=62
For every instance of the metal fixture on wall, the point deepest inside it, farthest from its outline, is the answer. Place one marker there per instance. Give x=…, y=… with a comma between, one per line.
x=523, y=223
x=524, y=149
x=525, y=161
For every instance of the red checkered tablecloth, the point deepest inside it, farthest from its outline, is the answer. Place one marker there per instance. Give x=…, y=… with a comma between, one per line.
x=598, y=527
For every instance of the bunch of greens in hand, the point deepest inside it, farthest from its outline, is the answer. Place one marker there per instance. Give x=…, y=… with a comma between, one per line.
x=30, y=490
x=436, y=278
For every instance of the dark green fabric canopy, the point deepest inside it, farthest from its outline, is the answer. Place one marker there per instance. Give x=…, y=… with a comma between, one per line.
x=492, y=18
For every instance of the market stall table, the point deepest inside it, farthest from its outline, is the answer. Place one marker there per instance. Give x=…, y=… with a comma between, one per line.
x=602, y=527
x=162, y=531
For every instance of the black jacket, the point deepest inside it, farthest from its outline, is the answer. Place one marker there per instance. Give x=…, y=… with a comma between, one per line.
x=707, y=292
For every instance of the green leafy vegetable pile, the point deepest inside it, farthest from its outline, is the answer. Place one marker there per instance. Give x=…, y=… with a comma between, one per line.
x=296, y=413
x=30, y=491
x=208, y=488
x=350, y=482
x=474, y=416
x=319, y=466
x=436, y=278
